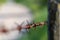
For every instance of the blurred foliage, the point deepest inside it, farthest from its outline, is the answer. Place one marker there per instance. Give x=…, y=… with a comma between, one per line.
x=39, y=9
x=38, y=33
x=2, y=1
x=33, y=4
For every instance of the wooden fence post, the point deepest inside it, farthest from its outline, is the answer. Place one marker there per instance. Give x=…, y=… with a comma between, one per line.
x=53, y=18
x=59, y=21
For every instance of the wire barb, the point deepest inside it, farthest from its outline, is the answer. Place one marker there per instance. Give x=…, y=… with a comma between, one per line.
x=19, y=27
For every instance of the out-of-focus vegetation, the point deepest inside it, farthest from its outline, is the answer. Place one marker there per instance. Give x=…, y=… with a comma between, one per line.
x=2, y=1
x=39, y=9
x=33, y=4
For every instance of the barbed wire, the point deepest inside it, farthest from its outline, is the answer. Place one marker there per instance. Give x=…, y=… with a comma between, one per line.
x=19, y=27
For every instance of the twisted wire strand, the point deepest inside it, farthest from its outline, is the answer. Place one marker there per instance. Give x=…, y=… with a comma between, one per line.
x=19, y=27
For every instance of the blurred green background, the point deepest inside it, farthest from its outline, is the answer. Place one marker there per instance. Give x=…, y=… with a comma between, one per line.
x=39, y=9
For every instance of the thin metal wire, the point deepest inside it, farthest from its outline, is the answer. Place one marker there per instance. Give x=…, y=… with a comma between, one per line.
x=19, y=27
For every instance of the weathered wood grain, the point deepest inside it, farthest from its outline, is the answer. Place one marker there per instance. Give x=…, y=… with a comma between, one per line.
x=57, y=24
x=58, y=30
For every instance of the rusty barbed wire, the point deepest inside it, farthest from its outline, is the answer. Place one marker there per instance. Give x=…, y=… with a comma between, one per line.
x=19, y=27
